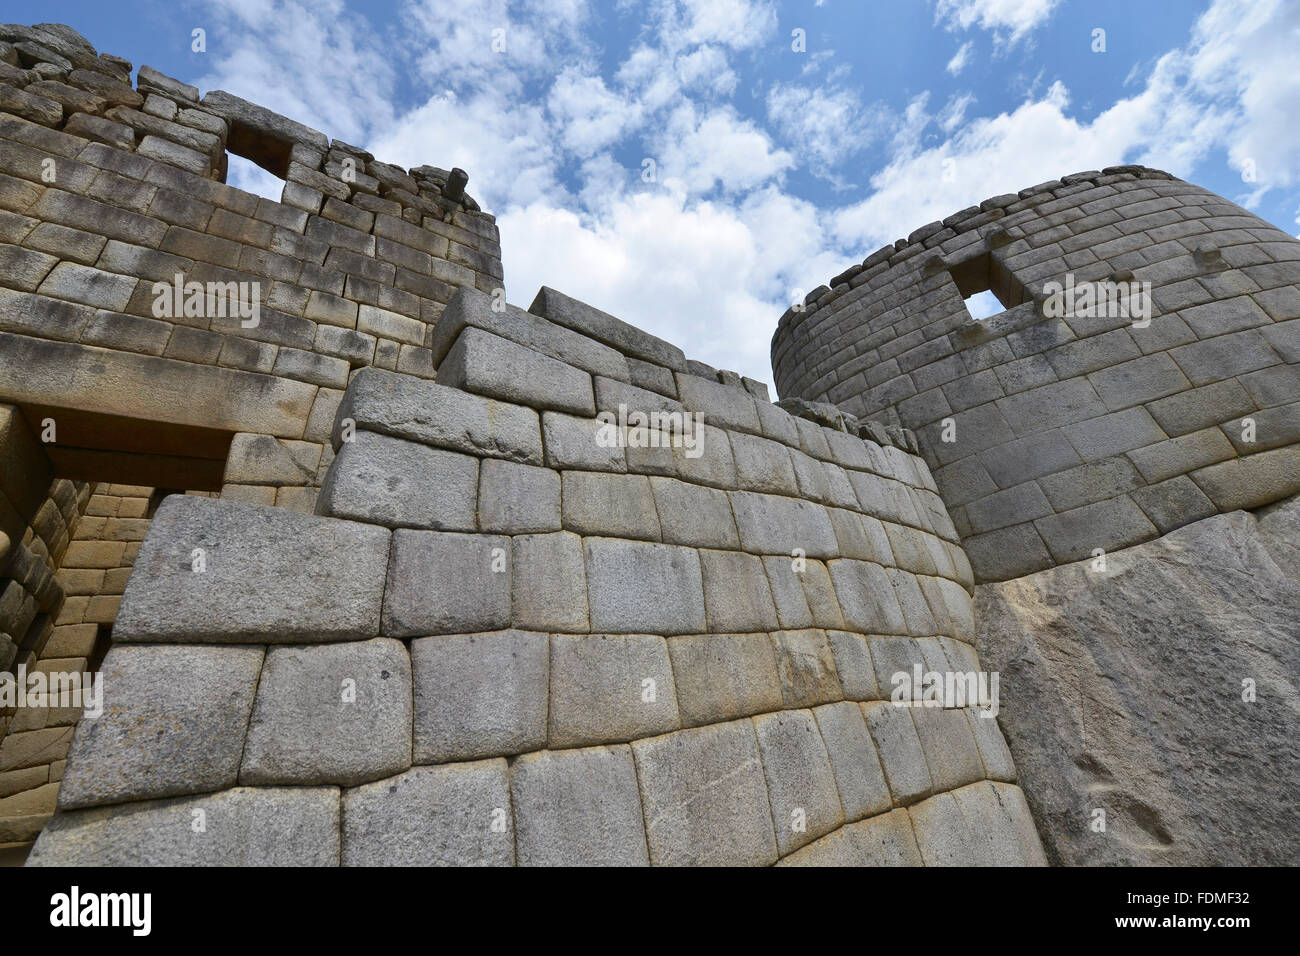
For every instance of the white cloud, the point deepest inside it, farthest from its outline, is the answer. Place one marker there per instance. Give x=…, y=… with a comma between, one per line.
x=697, y=152
x=591, y=116
x=961, y=58
x=827, y=124
x=1008, y=20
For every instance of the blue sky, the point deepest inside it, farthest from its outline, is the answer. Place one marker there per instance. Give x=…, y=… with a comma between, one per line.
x=773, y=168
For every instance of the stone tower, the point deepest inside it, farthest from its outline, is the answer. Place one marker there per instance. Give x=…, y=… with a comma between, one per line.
x=1068, y=433
x=1094, y=444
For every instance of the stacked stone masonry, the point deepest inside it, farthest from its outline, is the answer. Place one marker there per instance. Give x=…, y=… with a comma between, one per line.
x=107, y=189
x=1075, y=433
x=514, y=634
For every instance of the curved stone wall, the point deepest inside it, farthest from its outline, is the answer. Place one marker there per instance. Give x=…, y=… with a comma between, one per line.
x=516, y=634
x=1051, y=436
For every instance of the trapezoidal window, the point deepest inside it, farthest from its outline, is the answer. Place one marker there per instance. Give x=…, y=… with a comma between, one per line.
x=986, y=285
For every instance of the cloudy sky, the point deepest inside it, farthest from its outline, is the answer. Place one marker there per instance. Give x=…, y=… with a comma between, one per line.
x=692, y=166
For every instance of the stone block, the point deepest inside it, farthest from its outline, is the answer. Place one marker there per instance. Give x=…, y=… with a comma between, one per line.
x=800, y=783
x=805, y=666
x=636, y=587
x=431, y=816
x=737, y=597
x=792, y=610
x=899, y=749
x=406, y=407
x=447, y=583
x=517, y=499
x=733, y=826
x=1252, y=481
x=858, y=777
x=916, y=610
x=330, y=713
x=479, y=695
x=763, y=465
x=267, y=576
x=867, y=597
x=942, y=833
x=949, y=745
x=173, y=723
x=694, y=515
x=487, y=364
x=772, y=524
x=608, y=688
x=245, y=826
x=1110, y=525
x=726, y=407
x=721, y=677
x=598, y=503
x=854, y=665
x=549, y=583
x=578, y=808
x=469, y=307
x=397, y=483
x=822, y=601
x=581, y=443
x=885, y=840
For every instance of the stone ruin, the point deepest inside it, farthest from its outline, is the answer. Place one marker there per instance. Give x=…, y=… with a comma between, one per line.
x=382, y=576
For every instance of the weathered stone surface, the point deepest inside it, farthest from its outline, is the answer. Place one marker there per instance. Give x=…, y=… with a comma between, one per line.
x=599, y=503
x=861, y=782
x=635, y=586
x=333, y=713
x=401, y=484
x=517, y=499
x=734, y=825
x=244, y=826
x=724, y=676
x=737, y=596
x=479, y=695
x=487, y=364
x=885, y=840
x=411, y=408
x=268, y=576
x=1001, y=830
x=1165, y=744
x=549, y=582
x=899, y=750
x=607, y=688
x=694, y=515
x=800, y=784
x=445, y=583
x=455, y=815
x=806, y=667
x=173, y=723
x=942, y=833
x=578, y=808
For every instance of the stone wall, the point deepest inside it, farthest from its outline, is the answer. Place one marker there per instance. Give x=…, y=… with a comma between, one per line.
x=1074, y=433
x=107, y=189
x=514, y=634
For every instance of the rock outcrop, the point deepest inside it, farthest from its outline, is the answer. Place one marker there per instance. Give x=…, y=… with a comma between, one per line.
x=1129, y=690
